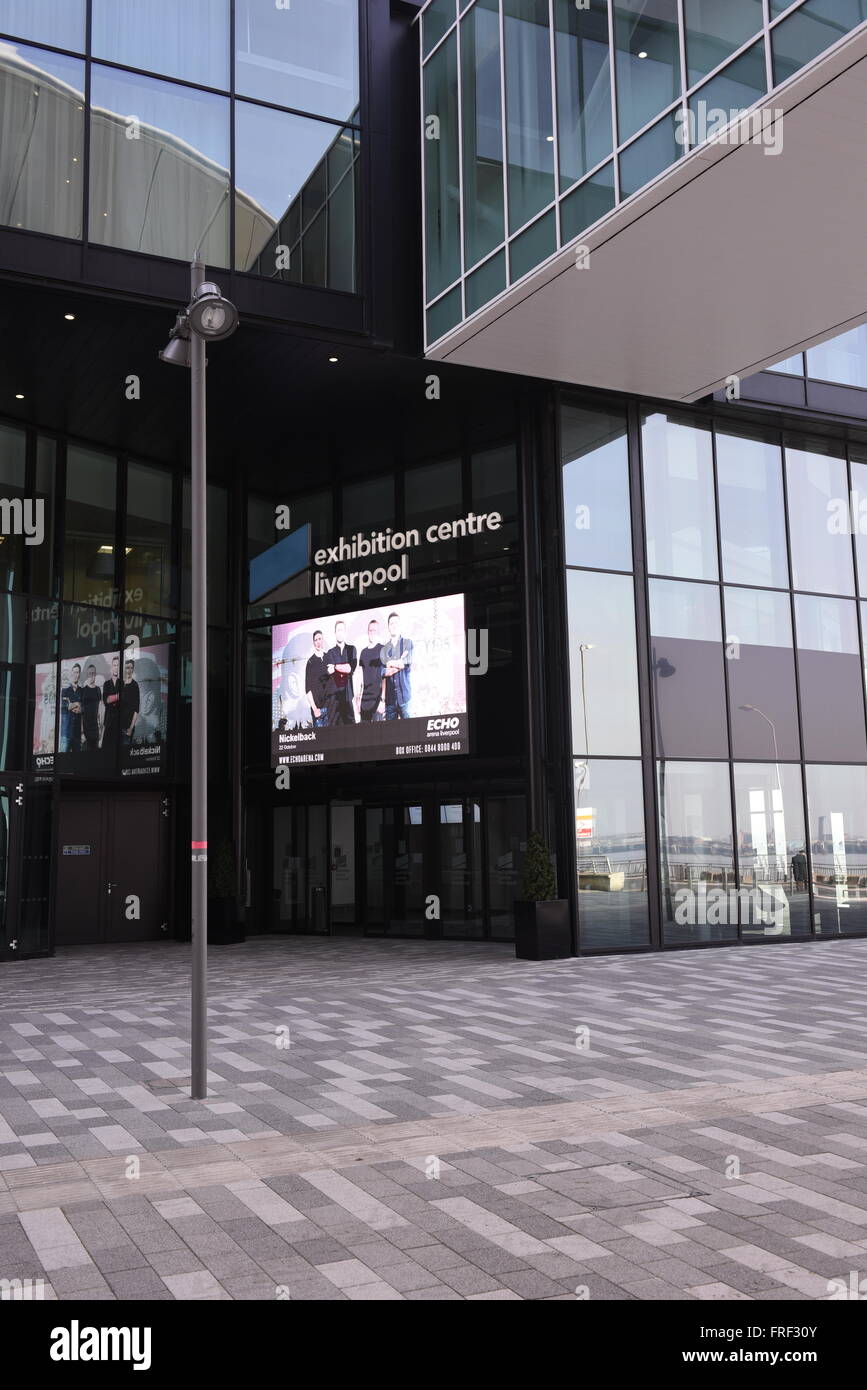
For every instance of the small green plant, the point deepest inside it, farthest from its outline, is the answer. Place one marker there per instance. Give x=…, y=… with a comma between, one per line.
x=221, y=872
x=538, y=880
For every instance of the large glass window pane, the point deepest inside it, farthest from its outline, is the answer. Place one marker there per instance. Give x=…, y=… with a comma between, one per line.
x=819, y=522
x=58, y=22
x=810, y=30
x=507, y=836
x=159, y=179
x=678, y=496
x=460, y=858
x=732, y=91
x=494, y=488
x=687, y=670
x=295, y=178
x=368, y=505
x=13, y=681
x=430, y=493
x=837, y=806
x=303, y=55
x=651, y=154
x=583, y=89
x=790, y=366
x=612, y=855
x=648, y=61
x=596, y=510
x=42, y=556
x=586, y=204
x=148, y=539
x=481, y=109
x=13, y=447
x=529, y=110
x=89, y=534
x=752, y=515
x=831, y=679
x=437, y=18
x=715, y=29
x=843, y=359
x=761, y=673
x=602, y=663
x=697, y=862
x=41, y=141
x=188, y=40
x=774, y=899
x=858, y=514
x=442, y=245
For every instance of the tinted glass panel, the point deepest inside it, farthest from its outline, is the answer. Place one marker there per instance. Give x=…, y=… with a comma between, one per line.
x=148, y=539
x=13, y=512
x=687, y=670
x=733, y=90
x=188, y=40
x=481, y=107
x=430, y=493
x=843, y=360
x=648, y=61
x=295, y=181
x=715, y=29
x=752, y=515
x=58, y=22
x=41, y=141
x=678, y=490
x=435, y=21
x=303, y=55
x=42, y=556
x=441, y=169
x=831, y=679
x=494, y=483
x=533, y=246
x=588, y=203
x=583, y=89
x=529, y=113
x=774, y=898
x=596, y=512
x=697, y=862
x=837, y=804
x=858, y=515
x=368, y=505
x=810, y=30
x=761, y=675
x=650, y=155
x=602, y=663
x=89, y=538
x=159, y=167
x=819, y=522
x=612, y=855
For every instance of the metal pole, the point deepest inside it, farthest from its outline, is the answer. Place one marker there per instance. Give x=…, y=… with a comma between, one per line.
x=199, y=825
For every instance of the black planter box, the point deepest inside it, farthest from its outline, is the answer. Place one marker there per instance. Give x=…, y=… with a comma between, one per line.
x=542, y=930
x=225, y=927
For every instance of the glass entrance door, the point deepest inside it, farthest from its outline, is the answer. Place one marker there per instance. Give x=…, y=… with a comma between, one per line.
x=461, y=868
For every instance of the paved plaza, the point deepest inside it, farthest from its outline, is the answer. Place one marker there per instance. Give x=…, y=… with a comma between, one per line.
x=433, y=1120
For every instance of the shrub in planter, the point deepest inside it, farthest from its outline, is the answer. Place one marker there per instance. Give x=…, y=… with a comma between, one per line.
x=541, y=918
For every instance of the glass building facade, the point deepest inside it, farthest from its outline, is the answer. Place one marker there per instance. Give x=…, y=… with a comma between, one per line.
x=717, y=678
x=672, y=605
x=226, y=126
x=541, y=116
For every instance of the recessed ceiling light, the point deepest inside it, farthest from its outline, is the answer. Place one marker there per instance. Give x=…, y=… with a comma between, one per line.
x=642, y=54
x=333, y=359
x=18, y=396
x=69, y=316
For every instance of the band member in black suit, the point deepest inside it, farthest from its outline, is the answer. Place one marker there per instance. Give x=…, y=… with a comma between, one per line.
x=340, y=660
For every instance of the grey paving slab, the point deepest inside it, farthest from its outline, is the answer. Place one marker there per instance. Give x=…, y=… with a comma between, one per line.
x=431, y=1132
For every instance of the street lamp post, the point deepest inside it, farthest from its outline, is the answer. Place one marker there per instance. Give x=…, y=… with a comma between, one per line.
x=208, y=316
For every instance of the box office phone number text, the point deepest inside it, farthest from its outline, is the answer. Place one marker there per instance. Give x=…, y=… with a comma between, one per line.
x=456, y=746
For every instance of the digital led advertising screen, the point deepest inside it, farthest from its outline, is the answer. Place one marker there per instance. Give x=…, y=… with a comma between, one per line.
x=383, y=682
